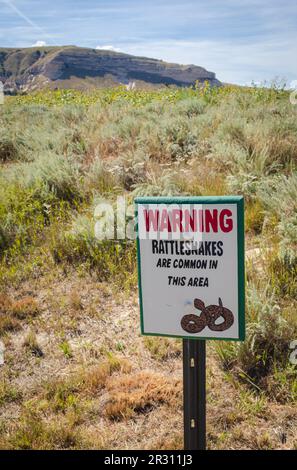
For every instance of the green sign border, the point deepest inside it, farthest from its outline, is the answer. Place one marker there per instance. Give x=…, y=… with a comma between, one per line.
x=239, y=201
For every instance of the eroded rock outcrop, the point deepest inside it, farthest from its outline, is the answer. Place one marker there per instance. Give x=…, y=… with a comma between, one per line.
x=75, y=67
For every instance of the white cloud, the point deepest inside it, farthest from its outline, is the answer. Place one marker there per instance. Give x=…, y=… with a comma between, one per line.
x=39, y=44
x=109, y=48
x=232, y=61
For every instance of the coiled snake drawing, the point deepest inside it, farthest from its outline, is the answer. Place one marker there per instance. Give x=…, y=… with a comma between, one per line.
x=209, y=315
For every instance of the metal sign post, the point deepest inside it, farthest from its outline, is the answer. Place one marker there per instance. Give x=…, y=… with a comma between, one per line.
x=191, y=285
x=194, y=378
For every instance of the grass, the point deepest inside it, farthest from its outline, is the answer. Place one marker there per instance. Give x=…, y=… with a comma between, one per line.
x=283, y=275
x=15, y=312
x=8, y=393
x=63, y=151
x=24, y=308
x=66, y=349
x=162, y=348
x=32, y=433
x=64, y=393
x=139, y=393
x=31, y=344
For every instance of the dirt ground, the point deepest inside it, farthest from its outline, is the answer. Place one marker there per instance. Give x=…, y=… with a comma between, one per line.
x=119, y=389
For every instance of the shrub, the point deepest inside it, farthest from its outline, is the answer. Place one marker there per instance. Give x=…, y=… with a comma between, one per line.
x=130, y=169
x=190, y=107
x=158, y=185
x=282, y=272
x=268, y=335
x=254, y=217
x=279, y=197
x=32, y=195
x=108, y=258
x=58, y=174
x=8, y=149
x=99, y=178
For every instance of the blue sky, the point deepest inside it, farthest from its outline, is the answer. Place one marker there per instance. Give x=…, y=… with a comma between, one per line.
x=240, y=40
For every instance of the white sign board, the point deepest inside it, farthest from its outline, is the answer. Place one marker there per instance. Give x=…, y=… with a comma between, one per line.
x=191, y=267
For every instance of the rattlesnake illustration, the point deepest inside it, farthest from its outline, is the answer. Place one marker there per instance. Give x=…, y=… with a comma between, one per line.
x=208, y=317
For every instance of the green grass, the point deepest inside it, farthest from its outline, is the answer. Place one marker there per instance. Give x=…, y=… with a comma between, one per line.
x=8, y=393
x=66, y=349
x=34, y=433
x=162, y=348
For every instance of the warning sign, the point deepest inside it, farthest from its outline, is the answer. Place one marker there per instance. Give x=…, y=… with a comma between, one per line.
x=191, y=266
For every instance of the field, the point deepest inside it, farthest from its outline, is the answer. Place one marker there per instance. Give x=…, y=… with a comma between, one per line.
x=77, y=374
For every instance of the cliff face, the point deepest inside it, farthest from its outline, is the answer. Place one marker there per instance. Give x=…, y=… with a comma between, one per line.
x=74, y=67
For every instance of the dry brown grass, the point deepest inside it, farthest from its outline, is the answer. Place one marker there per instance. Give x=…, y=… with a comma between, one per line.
x=75, y=301
x=170, y=441
x=8, y=323
x=24, y=308
x=96, y=377
x=140, y=393
x=4, y=302
x=31, y=344
x=21, y=308
x=12, y=311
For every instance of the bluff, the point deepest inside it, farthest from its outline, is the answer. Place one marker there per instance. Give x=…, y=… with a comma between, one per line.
x=29, y=69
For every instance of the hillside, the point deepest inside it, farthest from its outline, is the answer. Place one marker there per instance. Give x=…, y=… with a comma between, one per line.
x=82, y=68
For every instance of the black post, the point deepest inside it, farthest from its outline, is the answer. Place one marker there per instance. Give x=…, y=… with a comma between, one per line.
x=194, y=394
